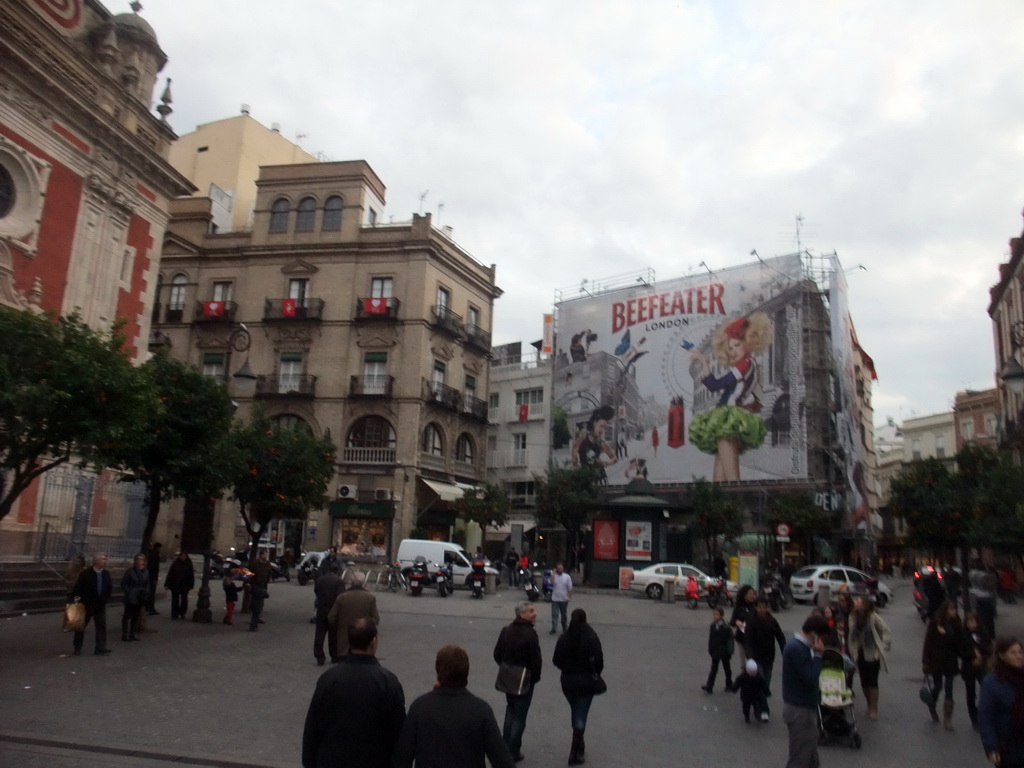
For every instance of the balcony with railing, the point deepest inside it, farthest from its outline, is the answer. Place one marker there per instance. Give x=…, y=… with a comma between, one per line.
x=371, y=386
x=442, y=396
x=173, y=314
x=526, y=412
x=479, y=338
x=368, y=309
x=300, y=386
x=215, y=312
x=353, y=455
x=523, y=500
x=158, y=340
x=287, y=310
x=448, y=321
x=517, y=457
x=475, y=408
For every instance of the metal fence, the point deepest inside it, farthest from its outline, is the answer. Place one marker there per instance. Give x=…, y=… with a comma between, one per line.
x=85, y=513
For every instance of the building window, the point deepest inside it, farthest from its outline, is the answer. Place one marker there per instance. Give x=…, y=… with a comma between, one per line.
x=291, y=421
x=372, y=218
x=306, y=216
x=221, y=292
x=289, y=378
x=177, y=297
x=473, y=316
x=438, y=376
x=915, y=450
x=471, y=386
x=530, y=397
x=492, y=401
x=940, y=447
x=967, y=429
x=432, y=441
x=464, y=449
x=213, y=365
x=298, y=290
x=371, y=432
x=991, y=425
x=332, y=214
x=381, y=288
x=7, y=192
x=279, y=212
x=444, y=299
x=375, y=373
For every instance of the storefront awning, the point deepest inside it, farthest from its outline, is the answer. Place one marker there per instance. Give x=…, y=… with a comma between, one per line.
x=504, y=531
x=448, y=491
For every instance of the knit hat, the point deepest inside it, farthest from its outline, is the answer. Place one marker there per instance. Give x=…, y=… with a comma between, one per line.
x=751, y=667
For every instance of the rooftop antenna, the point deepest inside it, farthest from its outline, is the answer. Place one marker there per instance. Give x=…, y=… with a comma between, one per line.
x=799, y=222
x=440, y=207
x=583, y=287
x=704, y=264
x=422, y=198
x=299, y=137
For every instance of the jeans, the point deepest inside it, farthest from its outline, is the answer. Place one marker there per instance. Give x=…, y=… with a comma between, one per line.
x=516, y=710
x=559, y=609
x=579, y=708
x=802, y=723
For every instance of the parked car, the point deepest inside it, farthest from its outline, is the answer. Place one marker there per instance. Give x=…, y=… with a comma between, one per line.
x=651, y=580
x=804, y=584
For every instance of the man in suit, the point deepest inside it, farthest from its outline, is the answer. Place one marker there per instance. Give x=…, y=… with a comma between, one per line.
x=326, y=589
x=93, y=588
x=352, y=604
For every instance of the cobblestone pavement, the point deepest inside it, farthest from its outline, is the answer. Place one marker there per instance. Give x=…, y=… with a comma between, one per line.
x=216, y=695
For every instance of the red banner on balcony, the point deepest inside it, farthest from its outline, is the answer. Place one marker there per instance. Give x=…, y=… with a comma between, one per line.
x=524, y=412
x=375, y=306
x=288, y=308
x=213, y=309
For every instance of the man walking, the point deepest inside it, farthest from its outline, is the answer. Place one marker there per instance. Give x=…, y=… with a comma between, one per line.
x=518, y=645
x=93, y=588
x=180, y=579
x=357, y=709
x=258, y=588
x=153, y=566
x=327, y=588
x=350, y=606
x=512, y=563
x=801, y=665
x=450, y=727
x=561, y=594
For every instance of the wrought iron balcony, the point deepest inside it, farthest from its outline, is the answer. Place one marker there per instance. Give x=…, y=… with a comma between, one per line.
x=158, y=340
x=302, y=386
x=286, y=310
x=215, y=312
x=371, y=386
x=442, y=396
x=174, y=314
x=479, y=338
x=474, y=407
x=448, y=321
x=377, y=309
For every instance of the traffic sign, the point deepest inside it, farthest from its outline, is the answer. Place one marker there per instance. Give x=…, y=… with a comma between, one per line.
x=782, y=530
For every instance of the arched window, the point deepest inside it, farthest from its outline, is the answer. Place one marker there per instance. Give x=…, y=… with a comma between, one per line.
x=371, y=432
x=332, y=214
x=464, y=449
x=432, y=441
x=306, y=216
x=291, y=421
x=176, y=300
x=279, y=212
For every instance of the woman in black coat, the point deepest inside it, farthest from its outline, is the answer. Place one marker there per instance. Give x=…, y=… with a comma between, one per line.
x=945, y=644
x=578, y=655
x=180, y=579
x=744, y=609
x=135, y=588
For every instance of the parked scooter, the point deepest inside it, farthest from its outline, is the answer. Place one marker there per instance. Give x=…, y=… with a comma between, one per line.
x=774, y=591
x=418, y=575
x=529, y=586
x=444, y=579
x=692, y=592
x=716, y=593
x=476, y=579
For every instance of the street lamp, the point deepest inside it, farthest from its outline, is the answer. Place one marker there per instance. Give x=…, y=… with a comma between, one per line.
x=240, y=340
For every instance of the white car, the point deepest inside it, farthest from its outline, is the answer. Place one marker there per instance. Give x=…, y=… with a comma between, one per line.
x=651, y=580
x=804, y=584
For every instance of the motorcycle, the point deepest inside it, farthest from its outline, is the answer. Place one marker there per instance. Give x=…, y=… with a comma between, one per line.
x=306, y=571
x=476, y=579
x=444, y=580
x=529, y=587
x=716, y=592
x=418, y=575
x=774, y=591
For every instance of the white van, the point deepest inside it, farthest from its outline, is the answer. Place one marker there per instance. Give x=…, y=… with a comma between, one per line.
x=440, y=552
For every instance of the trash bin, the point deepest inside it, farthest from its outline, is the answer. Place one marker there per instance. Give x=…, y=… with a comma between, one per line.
x=669, y=595
x=490, y=584
x=824, y=595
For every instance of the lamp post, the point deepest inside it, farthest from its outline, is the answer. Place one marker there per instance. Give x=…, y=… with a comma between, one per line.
x=239, y=341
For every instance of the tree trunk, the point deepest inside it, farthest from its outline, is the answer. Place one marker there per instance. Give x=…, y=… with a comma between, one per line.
x=155, y=490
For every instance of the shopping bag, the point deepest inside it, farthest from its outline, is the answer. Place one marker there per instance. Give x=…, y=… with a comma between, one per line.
x=74, y=617
x=926, y=691
x=513, y=680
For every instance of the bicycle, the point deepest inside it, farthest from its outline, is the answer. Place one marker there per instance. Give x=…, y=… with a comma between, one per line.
x=391, y=577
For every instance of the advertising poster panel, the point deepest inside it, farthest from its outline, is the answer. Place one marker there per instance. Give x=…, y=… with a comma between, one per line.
x=695, y=377
x=639, y=540
x=606, y=539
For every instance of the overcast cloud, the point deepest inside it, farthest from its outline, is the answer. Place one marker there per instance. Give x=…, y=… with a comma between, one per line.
x=576, y=139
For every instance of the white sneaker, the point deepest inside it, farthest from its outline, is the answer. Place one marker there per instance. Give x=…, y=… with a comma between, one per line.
x=764, y=717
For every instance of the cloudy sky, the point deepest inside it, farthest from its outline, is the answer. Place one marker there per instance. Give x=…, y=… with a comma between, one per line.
x=584, y=139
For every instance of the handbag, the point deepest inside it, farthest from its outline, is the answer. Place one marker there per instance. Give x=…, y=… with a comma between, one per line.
x=74, y=617
x=513, y=679
x=599, y=685
x=926, y=692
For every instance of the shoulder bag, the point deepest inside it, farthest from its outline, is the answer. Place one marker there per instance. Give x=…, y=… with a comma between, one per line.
x=599, y=685
x=74, y=617
x=513, y=679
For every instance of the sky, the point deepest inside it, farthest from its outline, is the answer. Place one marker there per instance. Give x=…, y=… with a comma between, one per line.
x=586, y=139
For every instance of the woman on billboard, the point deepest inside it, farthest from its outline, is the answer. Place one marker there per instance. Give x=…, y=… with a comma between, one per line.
x=732, y=426
x=590, y=447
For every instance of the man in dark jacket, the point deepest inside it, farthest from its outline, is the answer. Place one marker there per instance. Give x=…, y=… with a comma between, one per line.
x=153, y=566
x=181, y=577
x=357, y=709
x=327, y=588
x=258, y=584
x=327, y=560
x=801, y=665
x=762, y=633
x=94, y=587
x=450, y=727
x=518, y=645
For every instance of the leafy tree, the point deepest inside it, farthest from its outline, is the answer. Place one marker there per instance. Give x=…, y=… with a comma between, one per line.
x=67, y=392
x=715, y=516
x=488, y=508
x=184, y=449
x=565, y=496
x=283, y=472
x=799, y=512
x=927, y=495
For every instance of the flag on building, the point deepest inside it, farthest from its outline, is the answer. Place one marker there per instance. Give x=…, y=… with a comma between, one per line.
x=377, y=306
x=288, y=308
x=213, y=309
x=524, y=412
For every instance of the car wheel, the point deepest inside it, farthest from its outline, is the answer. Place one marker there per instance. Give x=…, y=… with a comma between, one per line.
x=882, y=600
x=655, y=591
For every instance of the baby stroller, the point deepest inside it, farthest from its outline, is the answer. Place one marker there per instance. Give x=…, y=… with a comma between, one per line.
x=836, y=719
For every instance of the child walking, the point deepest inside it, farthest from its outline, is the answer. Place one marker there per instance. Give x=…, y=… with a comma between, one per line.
x=230, y=597
x=753, y=692
x=721, y=645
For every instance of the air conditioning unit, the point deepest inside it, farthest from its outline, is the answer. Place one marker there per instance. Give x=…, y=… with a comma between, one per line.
x=382, y=494
x=346, y=492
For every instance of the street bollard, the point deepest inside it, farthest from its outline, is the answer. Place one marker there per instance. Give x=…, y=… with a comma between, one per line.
x=490, y=584
x=669, y=595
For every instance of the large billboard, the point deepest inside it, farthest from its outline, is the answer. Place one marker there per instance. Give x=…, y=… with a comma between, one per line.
x=696, y=377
